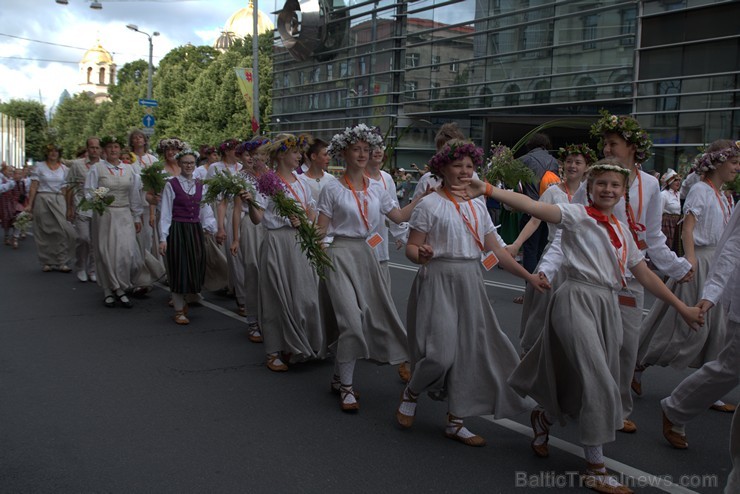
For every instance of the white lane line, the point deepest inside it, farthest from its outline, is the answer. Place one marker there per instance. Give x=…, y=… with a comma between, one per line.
x=211, y=306
x=645, y=479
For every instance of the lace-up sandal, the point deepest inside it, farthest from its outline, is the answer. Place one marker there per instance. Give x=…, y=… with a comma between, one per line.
x=457, y=431
x=348, y=399
x=275, y=364
x=540, y=427
x=406, y=412
x=180, y=317
x=600, y=480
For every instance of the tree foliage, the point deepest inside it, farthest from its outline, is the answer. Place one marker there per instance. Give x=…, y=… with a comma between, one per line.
x=33, y=114
x=70, y=122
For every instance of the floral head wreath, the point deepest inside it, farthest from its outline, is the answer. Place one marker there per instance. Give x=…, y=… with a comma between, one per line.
x=604, y=167
x=352, y=135
x=281, y=145
x=304, y=142
x=170, y=143
x=707, y=161
x=573, y=149
x=227, y=145
x=455, y=150
x=111, y=139
x=186, y=152
x=207, y=150
x=251, y=145
x=628, y=128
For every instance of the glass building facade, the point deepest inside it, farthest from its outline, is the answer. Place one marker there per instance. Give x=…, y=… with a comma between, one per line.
x=501, y=67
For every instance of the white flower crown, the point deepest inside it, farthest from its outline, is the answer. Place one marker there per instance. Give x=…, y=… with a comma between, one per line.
x=360, y=132
x=609, y=168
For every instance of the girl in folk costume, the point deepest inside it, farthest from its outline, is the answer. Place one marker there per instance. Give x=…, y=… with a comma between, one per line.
x=317, y=158
x=665, y=339
x=182, y=242
x=138, y=142
x=358, y=300
x=208, y=156
x=289, y=313
x=671, y=208
x=249, y=235
x=12, y=202
x=117, y=257
x=458, y=348
x=576, y=158
x=573, y=368
x=54, y=235
x=230, y=165
x=622, y=138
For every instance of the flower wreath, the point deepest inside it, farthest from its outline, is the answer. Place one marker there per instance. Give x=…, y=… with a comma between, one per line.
x=455, y=150
x=709, y=161
x=186, y=152
x=628, y=128
x=251, y=146
x=609, y=168
x=360, y=132
x=573, y=149
x=227, y=145
x=170, y=142
x=111, y=139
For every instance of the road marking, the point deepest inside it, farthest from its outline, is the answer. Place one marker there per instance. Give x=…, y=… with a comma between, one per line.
x=212, y=306
x=646, y=479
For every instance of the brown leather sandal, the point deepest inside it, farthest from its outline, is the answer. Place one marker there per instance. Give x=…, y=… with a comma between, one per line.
x=456, y=422
x=404, y=420
x=537, y=417
x=344, y=392
x=596, y=477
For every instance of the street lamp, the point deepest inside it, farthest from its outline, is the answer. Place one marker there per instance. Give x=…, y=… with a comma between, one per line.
x=134, y=27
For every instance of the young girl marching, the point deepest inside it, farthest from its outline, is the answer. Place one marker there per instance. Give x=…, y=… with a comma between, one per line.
x=576, y=159
x=664, y=338
x=351, y=209
x=458, y=348
x=182, y=242
x=248, y=236
x=573, y=368
x=317, y=158
x=289, y=313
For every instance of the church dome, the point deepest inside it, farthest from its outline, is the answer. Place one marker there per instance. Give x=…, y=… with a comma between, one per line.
x=240, y=23
x=224, y=42
x=97, y=55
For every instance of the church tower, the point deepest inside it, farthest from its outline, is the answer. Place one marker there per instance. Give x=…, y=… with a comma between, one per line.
x=97, y=72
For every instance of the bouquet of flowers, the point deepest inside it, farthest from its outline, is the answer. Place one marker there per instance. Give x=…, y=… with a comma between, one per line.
x=227, y=185
x=503, y=167
x=308, y=235
x=99, y=201
x=23, y=221
x=154, y=177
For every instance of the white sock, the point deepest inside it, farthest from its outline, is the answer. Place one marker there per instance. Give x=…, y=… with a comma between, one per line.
x=452, y=427
x=719, y=403
x=346, y=372
x=408, y=408
x=178, y=300
x=594, y=455
x=277, y=360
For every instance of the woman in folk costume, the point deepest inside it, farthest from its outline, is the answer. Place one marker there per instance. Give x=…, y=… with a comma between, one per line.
x=118, y=261
x=208, y=156
x=224, y=210
x=359, y=301
x=671, y=208
x=249, y=236
x=458, y=348
x=664, y=339
x=289, y=313
x=182, y=242
x=12, y=202
x=573, y=368
x=54, y=235
x=138, y=143
x=317, y=158
x=576, y=158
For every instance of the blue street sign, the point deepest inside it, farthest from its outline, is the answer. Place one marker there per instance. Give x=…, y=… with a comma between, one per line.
x=148, y=102
x=148, y=121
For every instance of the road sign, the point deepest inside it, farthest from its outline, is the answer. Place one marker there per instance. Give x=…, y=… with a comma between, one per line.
x=148, y=102
x=148, y=121
x=148, y=131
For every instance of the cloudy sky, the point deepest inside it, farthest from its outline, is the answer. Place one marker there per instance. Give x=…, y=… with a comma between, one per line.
x=30, y=69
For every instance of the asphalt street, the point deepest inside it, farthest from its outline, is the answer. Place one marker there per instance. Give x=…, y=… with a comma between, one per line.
x=123, y=400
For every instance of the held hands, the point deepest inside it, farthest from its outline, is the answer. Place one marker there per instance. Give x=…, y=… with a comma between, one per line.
x=152, y=220
x=473, y=188
x=425, y=253
x=693, y=316
x=512, y=249
x=220, y=236
x=234, y=247
x=245, y=196
x=137, y=227
x=539, y=281
x=704, y=305
x=163, y=247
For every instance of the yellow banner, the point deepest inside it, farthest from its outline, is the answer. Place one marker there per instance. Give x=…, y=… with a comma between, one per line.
x=246, y=85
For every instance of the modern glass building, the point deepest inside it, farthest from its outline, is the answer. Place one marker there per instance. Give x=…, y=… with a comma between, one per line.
x=501, y=67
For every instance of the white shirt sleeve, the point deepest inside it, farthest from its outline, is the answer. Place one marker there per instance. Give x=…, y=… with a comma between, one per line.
x=134, y=197
x=91, y=181
x=165, y=219
x=208, y=219
x=6, y=186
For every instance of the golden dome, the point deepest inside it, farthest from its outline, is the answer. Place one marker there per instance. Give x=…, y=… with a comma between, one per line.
x=97, y=55
x=240, y=23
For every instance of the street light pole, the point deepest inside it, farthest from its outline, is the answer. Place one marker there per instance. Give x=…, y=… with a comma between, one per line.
x=134, y=27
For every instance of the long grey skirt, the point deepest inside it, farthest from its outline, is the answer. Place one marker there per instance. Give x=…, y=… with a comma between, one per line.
x=53, y=234
x=289, y=311
x=251, y=237
x=534, y=311
x=365, y=315
x=235, y=264
x=666, y=339
x=118, y=261
x=216, y=268
x=458, y=345
x=573, y=368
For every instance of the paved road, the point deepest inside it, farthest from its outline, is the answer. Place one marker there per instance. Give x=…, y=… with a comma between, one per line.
x=115, y=400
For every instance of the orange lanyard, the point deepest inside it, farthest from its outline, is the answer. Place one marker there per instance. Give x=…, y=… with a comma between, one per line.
x=303, y=204
x=639, y=202
x=623, y=261
x=567, y=192
x=385, y=186
x=725, y=215
x=363, y=213
x=119, y=168
x=473, y=231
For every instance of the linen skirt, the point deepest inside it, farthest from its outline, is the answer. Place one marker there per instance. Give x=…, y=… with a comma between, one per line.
x=185, y=257
x=117, y=257
x=236, y=267
x=672, y=231
x=216, y=267
x=54, y=235
x=289, y=311
x=251, y=237
x=458, y=347
x=534, y=312
x=666, y=339
x=573, y=368
x=365, y=315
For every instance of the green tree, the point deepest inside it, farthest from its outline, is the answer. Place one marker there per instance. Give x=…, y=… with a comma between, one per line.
x=33, y=114
x=71, y=121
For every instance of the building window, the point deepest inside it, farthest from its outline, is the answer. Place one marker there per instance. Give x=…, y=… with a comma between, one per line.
x=627, y=28
x=669, y=102
x=286, y=81
x=434, y=90
x=112, y=76
x=411, y=87
x=511, y=98
x=590, y=26
x=412, y=60
x=329, y=71
x=541, y=93
x=623, y=88
x=454, y=65
x=343, y=69
x=101, y=76
x=301, y=78
x=362, y=66
x=587, y=92
x=436, y=60
x=89, y=74
x=315, y=74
